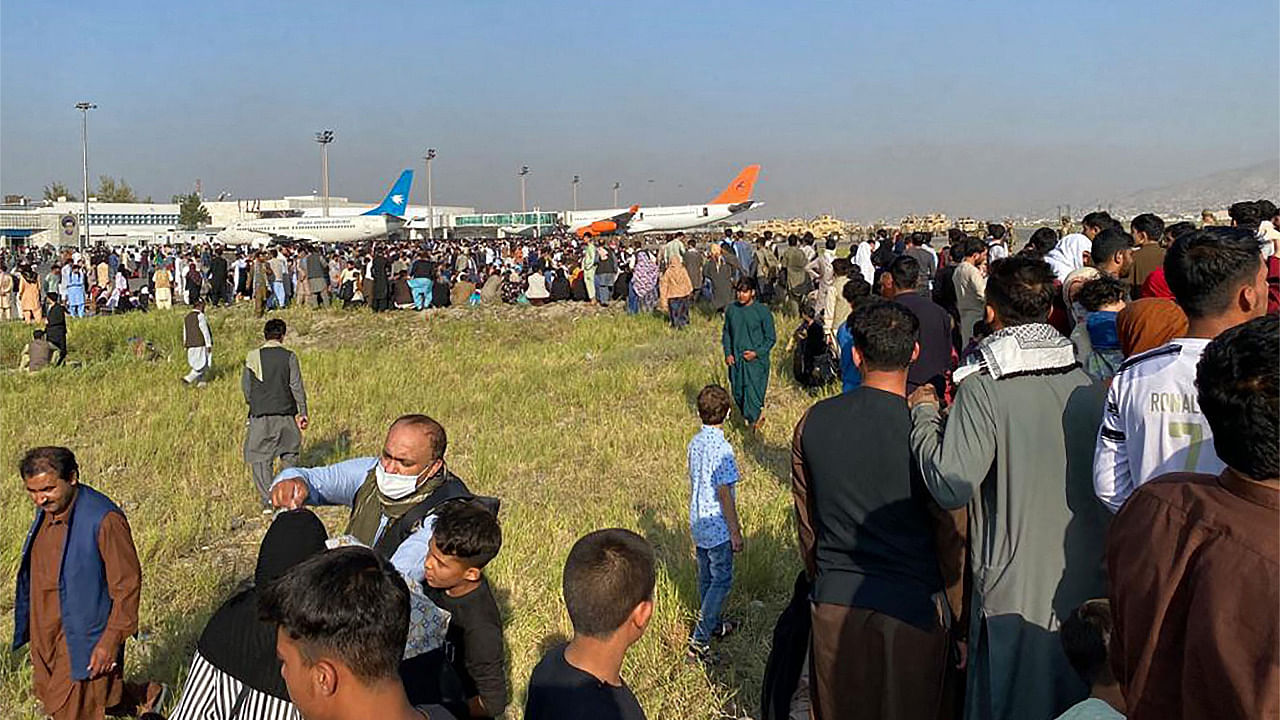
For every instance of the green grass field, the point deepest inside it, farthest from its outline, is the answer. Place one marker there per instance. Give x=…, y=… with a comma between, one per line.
x=577, y=419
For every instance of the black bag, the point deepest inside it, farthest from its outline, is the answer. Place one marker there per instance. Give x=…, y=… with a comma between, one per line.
x=825, y=368
x=786, y=656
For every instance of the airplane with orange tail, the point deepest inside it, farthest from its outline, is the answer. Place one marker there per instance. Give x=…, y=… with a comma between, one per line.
x=734, y=200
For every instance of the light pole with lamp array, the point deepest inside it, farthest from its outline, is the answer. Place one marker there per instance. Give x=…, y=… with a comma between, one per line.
x=431, y=207
x=615, y=193
x=524, y=170
x=84, y=108
x=324, y=137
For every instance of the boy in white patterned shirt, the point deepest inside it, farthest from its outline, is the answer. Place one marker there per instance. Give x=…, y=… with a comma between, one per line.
x=713, y=518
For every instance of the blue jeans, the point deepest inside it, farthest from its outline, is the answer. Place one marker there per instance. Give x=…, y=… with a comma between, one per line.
x=715, y=577
x=604, y=287
x=277, y=293
x=421, y=288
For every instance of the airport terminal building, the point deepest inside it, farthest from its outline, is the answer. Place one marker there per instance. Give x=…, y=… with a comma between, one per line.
x=59, y=222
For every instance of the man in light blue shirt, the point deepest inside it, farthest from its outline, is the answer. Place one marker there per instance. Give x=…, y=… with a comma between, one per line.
x=393, y=497
x=713, y=517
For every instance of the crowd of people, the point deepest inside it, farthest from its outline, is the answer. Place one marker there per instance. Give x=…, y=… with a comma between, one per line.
x=1047, y=486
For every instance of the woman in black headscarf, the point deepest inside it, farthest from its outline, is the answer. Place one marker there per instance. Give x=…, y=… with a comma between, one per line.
x=560, y=288
x=235, y=673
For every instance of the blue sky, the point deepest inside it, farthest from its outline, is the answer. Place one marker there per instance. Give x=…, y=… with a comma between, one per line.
x=972, y=107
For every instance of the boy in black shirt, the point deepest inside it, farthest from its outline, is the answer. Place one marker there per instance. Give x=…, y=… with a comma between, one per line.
x=608, y=591
x=472, y=677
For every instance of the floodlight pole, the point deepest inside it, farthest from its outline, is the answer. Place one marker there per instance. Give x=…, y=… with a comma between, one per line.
x=324, y=137
x=576, y=180
x=616, y=185
x=431, y=207
x=524, y=170
x=84, y=108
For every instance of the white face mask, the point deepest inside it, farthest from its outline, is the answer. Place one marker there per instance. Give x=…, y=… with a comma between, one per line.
x=393, y=485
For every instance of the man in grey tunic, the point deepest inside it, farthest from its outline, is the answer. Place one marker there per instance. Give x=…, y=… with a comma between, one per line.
x=1016, y=453
x=272, y=386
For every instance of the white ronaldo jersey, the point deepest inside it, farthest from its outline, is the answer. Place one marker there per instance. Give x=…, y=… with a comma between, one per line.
x=1152, y=423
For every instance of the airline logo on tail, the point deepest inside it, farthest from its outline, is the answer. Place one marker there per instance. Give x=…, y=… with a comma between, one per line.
x=396, y=200
x=740, y=189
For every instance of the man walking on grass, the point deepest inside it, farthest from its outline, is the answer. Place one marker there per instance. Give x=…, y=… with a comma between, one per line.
x=77, y=594
x=272, y=387
x=199, y=344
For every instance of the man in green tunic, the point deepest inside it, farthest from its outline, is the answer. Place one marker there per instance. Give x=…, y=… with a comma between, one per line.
x=748, y=338
x=1016, y=453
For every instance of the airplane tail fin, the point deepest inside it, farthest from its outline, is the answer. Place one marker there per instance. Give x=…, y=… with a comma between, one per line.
x=740, y=189
x=398, y=199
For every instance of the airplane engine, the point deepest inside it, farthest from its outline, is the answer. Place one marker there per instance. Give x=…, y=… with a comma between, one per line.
x=599, y=227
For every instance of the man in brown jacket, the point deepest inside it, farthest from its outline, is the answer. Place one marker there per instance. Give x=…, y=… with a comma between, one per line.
x=77, y=594
x=1194, y=559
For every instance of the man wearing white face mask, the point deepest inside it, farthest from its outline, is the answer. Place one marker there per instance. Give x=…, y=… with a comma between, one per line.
x=392, y=497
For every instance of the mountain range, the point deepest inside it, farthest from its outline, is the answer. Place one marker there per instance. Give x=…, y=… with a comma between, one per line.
x=1212, y=192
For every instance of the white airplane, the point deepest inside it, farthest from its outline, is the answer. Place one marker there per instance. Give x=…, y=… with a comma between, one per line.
x=735, y=199
x=386, y=218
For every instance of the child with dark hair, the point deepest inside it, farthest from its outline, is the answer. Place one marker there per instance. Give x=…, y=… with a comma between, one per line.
x=713, y=518
x=1086, y=639
x=608, y=591
x=856, y=293
x=1098, y=341
x=472, y=676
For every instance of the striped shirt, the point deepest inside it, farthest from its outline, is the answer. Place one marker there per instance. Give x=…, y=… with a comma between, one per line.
x=210, y=694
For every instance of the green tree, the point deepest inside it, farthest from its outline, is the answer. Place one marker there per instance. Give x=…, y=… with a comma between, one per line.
x=113, y=190
x=191, y=212
x=55, y=190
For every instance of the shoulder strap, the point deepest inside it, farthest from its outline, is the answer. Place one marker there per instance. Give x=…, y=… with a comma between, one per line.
x=239, y=703
x=451, y=489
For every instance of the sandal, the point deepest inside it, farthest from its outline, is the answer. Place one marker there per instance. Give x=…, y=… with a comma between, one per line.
x=726, y=628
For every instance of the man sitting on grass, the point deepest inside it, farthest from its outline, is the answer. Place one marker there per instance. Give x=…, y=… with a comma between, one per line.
x=608, y=591
x=471, y=678
x=39, y=353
